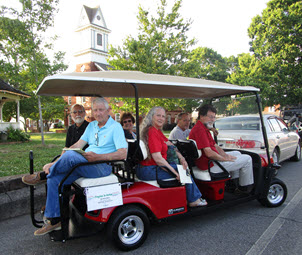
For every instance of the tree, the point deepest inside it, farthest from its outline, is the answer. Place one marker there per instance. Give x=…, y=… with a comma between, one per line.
x=162, y=44
x=23, y=62
x=162, y=47
x=251, y=71
x=276, y=41
x=207, y=64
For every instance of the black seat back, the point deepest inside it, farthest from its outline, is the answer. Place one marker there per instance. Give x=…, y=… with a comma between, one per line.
x=188, y=150
x=136, y=153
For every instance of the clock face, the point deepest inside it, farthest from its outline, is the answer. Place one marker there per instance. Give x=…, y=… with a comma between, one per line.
x=98, y=17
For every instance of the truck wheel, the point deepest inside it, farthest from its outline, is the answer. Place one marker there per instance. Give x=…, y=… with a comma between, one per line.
x=297, y=156
x=276, y=195
x=128, y=227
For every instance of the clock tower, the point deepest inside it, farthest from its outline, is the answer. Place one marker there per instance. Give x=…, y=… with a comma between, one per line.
x=92, y=41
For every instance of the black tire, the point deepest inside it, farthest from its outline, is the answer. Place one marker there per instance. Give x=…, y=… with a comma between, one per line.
x=276, y=156
x=128, y=227
x=276, y=195
x=297, y=156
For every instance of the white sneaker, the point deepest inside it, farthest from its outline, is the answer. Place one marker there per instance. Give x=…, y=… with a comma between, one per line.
x=198, y=202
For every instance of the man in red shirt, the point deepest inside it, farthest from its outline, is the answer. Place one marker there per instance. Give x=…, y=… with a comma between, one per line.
x=232, y=161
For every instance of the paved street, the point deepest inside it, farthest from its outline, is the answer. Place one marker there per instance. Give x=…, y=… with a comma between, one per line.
x=245, y=229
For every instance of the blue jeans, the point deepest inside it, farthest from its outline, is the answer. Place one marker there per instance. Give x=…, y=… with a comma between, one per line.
x=148, y=173
x=60, y=169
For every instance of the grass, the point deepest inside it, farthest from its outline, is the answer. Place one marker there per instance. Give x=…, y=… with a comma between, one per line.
x=166, y=133
x=15, y=157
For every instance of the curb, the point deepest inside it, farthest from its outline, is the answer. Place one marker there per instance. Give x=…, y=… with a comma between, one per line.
x=9, y=183
x=15, y=197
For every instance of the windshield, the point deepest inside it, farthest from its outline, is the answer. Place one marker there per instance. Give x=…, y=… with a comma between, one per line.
x=238, y=123
x=236, y=105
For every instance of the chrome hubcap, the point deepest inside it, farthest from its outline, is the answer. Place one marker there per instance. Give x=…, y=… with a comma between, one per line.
x=275, y=194
x=131, y=229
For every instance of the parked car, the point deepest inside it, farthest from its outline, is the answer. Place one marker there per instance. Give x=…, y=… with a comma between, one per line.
x=291, y=112
x=244, y=132
x=293, y=118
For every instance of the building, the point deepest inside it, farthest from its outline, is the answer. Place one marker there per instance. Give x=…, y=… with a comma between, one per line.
x=10, y=94
x=92, y=33
x=92, y=52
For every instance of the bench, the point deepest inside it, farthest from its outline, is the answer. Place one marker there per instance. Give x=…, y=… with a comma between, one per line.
x=138, y=154
x=210, y=184
x=121, y=168
x=91, y=182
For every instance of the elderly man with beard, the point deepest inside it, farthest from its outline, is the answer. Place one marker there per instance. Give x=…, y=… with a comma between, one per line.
x=74, y=133
x=232, y=161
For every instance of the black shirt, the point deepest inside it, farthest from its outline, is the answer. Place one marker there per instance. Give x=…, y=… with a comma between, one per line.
x=128, y=135
x=74, y=133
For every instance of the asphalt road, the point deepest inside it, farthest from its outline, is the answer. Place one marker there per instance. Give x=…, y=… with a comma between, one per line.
x=245, y=229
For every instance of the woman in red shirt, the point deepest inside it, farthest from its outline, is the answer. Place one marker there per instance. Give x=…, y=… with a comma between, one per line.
x=157, y=146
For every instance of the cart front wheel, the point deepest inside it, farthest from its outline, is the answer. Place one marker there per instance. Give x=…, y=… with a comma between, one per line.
x=276, y=195
x=128, y=228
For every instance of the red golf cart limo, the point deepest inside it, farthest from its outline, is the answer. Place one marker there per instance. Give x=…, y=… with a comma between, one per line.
x=126, y=205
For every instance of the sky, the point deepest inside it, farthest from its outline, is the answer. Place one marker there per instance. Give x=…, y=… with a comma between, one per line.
x=217, y=24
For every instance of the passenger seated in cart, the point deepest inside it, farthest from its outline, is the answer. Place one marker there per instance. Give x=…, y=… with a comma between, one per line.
x=232, y=161
x=106, y=141
x=127, y=121
x=157, y=146
x=74, y=133
x=181, y=131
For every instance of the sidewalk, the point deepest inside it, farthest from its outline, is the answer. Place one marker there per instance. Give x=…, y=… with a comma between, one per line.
x=14, y=197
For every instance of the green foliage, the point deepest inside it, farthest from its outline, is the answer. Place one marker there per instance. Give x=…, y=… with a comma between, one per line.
x=258, y=73
x=145, y=104
x=23, y=61
x=207, y=64
x=276, y=41
x=241, y=104
x=16, y=135
x=162, y=44
x=162, y=47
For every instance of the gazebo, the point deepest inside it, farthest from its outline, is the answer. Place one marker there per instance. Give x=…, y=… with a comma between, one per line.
x=10, y=94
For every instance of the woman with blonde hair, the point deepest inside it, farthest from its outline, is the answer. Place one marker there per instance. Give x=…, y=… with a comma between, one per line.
x=157, y=147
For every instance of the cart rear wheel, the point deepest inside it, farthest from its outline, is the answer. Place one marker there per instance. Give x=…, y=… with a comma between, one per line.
x=128, y=227
x=276, y=195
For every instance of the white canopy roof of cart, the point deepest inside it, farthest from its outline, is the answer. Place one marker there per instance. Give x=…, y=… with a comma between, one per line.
x=118, y=84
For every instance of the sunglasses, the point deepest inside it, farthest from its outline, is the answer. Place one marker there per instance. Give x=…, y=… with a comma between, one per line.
x=211, y=117
x=127, y=121
x=75, y=112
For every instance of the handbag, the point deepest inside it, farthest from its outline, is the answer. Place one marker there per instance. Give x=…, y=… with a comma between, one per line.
x=166, y=183
x=171, y=155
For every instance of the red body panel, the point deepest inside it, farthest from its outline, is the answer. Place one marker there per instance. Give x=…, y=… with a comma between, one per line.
x=162, y=202
x=212, y=190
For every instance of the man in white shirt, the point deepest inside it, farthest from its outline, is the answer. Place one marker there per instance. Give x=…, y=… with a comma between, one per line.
x=181, y=130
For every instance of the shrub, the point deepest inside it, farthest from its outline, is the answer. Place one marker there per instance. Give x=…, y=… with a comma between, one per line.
x=58, y=125
x=16, y=135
